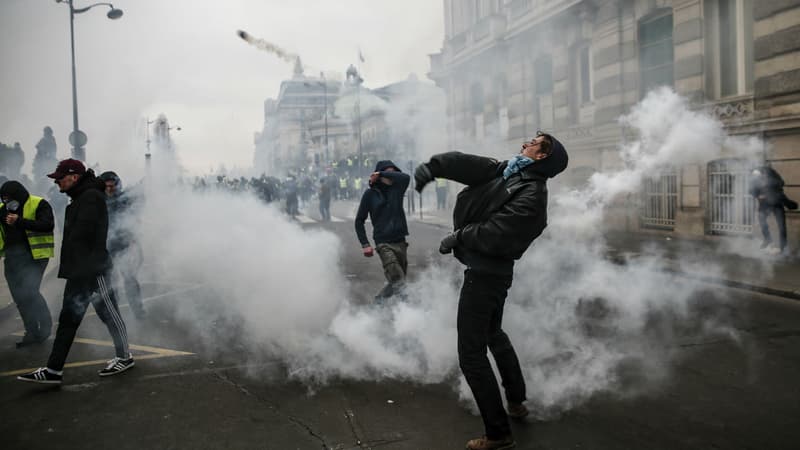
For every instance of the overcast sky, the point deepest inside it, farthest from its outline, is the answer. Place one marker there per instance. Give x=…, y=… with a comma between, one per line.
x=183, y=58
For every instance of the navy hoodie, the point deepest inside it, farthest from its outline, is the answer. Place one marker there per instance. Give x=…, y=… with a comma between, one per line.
x=383, y=203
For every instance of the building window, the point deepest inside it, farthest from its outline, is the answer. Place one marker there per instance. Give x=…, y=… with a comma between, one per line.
x=655, y=51
x=660, y=200
x=586, y=75
x=543, y=86
x=543, y=75
x=729, y=47
x=476, y=98
x=580, y=82
x=731, y=207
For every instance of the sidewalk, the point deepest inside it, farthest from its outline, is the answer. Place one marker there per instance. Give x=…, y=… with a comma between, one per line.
x=742, y=264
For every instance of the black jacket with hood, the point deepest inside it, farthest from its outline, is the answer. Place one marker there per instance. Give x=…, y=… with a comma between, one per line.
x=14, y=236
x=83, y=249
x=384, y=205
x=497, y=219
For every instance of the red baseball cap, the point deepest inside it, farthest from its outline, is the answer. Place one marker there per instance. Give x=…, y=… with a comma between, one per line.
x=67, y=167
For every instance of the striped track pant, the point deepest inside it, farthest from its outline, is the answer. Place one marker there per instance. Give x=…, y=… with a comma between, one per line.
x=78, y=294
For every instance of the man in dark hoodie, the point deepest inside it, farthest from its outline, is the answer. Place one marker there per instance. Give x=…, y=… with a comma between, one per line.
x=26, y=241
x=766, y=185
x=125, y=251
x=84, y=264
x=496, y=218
x=383, y=203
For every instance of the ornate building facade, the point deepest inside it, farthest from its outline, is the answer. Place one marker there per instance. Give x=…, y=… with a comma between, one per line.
x=510, y=67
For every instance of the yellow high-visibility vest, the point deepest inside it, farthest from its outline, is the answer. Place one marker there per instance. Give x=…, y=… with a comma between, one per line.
x=42, y=243
x=343, y=183
x=358, y=183
x=441, y=182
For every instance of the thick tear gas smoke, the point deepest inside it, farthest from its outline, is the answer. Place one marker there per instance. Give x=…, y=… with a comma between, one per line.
x=581, y=324
x=261, y=44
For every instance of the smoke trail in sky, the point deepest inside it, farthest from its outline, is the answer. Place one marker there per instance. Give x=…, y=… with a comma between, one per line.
x=261, y=44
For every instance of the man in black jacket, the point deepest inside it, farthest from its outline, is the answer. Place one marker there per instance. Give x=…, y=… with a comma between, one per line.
x=496, y=218
x=84, y=264
x=383, y=202
x=26, y=241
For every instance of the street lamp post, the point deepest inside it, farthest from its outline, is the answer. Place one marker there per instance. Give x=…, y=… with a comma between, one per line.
x=358, y=121
x=147, y=141
x=325, y=94
x=78, y=138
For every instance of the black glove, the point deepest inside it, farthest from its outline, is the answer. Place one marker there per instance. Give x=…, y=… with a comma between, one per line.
x=449, y=242
x=422, y=176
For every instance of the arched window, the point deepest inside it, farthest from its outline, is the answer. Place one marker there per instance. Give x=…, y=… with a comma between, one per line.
x=731, y=207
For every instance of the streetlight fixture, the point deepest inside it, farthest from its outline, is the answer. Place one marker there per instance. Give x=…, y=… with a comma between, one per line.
x=78, y=138
x=147, y=141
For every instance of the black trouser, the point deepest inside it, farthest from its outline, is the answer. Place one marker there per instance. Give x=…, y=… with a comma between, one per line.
x=24, y=276
x=780, y=218
x=480, y=317
x=127, y=262
x=78, y=294
x=325, y=208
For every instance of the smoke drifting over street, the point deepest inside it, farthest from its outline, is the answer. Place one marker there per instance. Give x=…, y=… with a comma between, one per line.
x=581, y=324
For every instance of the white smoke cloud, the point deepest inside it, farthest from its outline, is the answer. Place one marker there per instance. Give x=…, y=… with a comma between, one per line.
x=580, y=323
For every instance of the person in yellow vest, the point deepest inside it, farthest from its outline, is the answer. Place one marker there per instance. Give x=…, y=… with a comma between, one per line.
x=26, y=242
x=358, y=186
x=343, y=194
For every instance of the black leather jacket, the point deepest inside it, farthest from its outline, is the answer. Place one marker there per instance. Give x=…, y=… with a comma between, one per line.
x=496, y=219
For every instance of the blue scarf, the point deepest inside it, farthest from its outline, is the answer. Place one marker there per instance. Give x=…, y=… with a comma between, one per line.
x=516, y=164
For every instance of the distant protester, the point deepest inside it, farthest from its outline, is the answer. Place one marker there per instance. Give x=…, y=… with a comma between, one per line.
x=383, y=204
x=27, y=243
x=124, y=249
x=766, y=185
x=84, y=264
x=496, y=218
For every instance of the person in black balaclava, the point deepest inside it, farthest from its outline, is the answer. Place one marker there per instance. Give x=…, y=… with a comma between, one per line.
x=26, y=241
x=84, y=264
x=496, y=218
x=383, y=203
x=125, y=251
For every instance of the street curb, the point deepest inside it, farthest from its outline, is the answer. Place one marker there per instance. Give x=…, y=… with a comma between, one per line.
x=793, y=295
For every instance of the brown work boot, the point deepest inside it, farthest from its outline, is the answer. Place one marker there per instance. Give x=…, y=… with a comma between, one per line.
x=484, y=443
x=517, y=411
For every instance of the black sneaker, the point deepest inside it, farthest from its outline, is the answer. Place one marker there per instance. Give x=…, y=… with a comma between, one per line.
x=41, y=376
x=116, y=366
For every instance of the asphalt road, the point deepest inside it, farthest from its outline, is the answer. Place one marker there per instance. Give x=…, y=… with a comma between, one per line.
x=189, y=393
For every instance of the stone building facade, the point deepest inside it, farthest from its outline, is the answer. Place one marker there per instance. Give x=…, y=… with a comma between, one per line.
x=510, y=67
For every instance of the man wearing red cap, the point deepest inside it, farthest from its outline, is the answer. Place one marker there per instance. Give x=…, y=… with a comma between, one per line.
x=84, y=264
